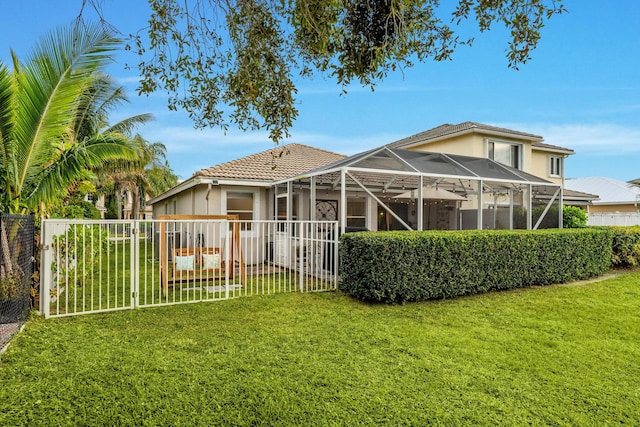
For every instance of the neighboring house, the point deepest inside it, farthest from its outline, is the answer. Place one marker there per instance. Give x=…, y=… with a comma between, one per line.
x=613, y=196
x=146, y=212
x=468, y=175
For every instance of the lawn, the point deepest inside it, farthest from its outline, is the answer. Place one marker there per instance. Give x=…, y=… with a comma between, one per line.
x=559, y=355
x=102, y=281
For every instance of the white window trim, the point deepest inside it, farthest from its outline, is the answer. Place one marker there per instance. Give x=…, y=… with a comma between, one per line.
x=256, y=204
x=550, y=169
x=365, y=216
x=501, y=141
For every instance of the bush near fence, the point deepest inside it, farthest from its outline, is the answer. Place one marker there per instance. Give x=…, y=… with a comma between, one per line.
x=397, y=267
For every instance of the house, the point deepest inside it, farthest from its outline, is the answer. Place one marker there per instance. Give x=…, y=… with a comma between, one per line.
x=242, y=186
x=125, y=206
x=614, y=196
x=462, y=176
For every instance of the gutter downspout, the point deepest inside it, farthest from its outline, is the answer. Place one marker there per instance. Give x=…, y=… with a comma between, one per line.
x=207, y=197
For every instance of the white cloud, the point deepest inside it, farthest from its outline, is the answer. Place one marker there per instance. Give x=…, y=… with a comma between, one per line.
x=347, y=145
x=186, y=139
x=596, y=138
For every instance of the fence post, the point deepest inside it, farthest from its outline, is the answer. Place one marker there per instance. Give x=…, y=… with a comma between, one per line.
x=336, y=257
x=45, y=270
x=134, y=262
x=229, y=263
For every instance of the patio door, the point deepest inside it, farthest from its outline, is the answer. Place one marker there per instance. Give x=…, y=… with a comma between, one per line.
x=285, y=233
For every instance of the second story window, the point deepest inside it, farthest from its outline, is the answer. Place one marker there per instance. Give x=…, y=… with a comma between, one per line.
x=555, y=166
x=506, y=153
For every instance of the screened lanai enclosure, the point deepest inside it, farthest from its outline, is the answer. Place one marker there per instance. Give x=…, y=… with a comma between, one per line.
x=396, y=189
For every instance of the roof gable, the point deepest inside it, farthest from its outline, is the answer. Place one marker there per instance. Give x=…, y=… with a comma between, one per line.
x=448, y=131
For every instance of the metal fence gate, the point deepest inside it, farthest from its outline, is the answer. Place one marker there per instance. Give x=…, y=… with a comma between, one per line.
x=96, y=266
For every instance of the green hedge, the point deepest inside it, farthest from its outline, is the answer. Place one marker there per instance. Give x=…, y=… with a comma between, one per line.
x=394, y=267
x=626, y=246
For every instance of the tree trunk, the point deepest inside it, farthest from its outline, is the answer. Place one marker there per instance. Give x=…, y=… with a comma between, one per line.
x=119, y=203
x=135, y=202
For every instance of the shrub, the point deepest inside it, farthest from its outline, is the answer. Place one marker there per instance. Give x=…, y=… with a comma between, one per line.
x=12, y=286
x=76, y=209
x=573, y=217
x=626, y=246
x=395, y=267
x=77, y=253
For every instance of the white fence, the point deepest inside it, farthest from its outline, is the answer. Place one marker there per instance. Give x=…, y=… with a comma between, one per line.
x=97, y=266
x=622, y=219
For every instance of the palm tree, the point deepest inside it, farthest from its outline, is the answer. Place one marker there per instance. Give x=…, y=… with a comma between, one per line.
x=149, y=175
x=53, y=117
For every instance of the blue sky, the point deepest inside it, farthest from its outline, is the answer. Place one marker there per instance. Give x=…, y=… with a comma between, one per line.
x=581, y=90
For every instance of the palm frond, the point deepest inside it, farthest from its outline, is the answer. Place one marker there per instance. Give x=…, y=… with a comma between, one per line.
x=57, y=74
x=6, y=113
x=88, y=155
x=127, y=125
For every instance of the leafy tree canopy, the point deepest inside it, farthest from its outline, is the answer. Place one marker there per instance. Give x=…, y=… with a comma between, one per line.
x=235, y=61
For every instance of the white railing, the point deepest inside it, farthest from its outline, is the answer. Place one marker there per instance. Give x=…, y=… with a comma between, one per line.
x=621, y=219
x=97, y=266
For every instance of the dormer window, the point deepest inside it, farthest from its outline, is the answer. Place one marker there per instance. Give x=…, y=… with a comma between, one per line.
x=506, y=153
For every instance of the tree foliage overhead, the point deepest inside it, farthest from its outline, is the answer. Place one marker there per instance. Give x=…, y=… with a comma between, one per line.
x=235, y=61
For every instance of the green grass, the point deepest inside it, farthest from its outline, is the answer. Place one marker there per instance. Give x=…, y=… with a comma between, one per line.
x=104, y=283
x=560, y=355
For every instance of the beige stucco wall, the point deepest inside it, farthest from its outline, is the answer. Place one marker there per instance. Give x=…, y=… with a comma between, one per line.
x=540, y=165
x=194, y=201
x=627, y=208
x=533, y=161
x=465, y=145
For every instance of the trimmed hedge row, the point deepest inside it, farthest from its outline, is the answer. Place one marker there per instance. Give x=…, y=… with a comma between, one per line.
x=626, y=246
x=401, y=266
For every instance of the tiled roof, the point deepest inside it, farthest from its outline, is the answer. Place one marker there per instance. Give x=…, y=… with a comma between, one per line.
x=552, y=147
x=448, y=129
x=275, y=164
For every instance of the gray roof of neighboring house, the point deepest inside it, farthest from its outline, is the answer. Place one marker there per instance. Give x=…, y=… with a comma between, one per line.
x=272, y=165
x=609, y=190
x=448, y=130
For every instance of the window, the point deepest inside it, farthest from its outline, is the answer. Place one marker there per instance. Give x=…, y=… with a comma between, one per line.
x=555, y=166
x=281, y=208
x=506, y=153
x=356, y=213
x=241, y=204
